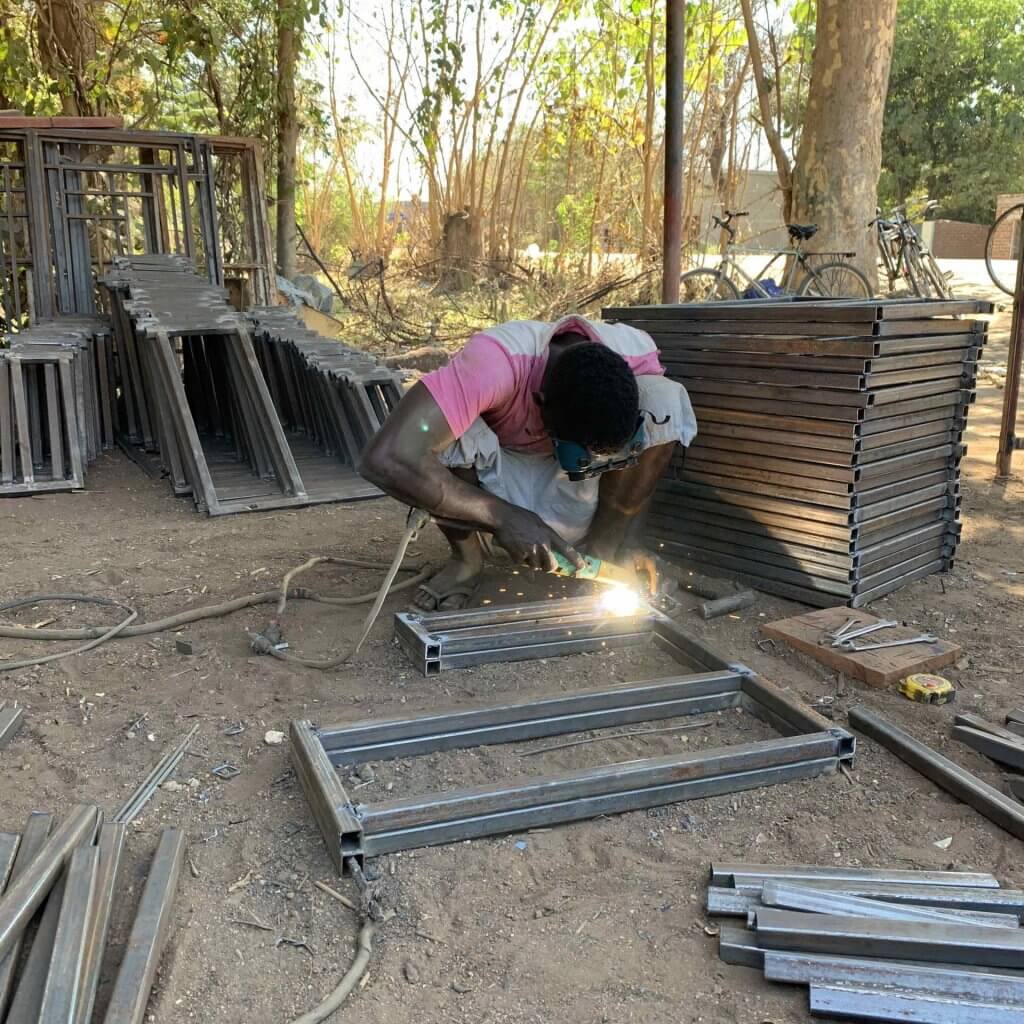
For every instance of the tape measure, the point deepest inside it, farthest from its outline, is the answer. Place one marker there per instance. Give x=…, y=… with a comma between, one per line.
x=928, y=689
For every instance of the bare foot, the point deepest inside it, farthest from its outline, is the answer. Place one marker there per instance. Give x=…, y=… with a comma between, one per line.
x=451, y=588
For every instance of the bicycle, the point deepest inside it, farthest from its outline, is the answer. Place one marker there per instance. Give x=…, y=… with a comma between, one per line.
x=1003, y=248
x=832, y=280
x=903, y=255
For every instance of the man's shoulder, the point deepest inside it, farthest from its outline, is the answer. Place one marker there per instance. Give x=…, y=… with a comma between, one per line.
x=517, y=337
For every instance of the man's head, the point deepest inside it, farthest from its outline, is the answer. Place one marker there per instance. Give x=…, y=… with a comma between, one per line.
x=590, y=397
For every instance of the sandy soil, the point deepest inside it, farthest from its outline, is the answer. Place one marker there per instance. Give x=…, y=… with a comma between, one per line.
x=598, y=921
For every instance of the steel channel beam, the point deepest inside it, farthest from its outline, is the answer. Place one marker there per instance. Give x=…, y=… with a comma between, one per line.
x=111, y=845
x=547, y=715
x=570, y=796
x=326, y=796
x=978, y=985
x=595, y=806
x=897, y=940
x=37, y=828
x=1003, y=810
x=62, y=992
x=149, y=933
x=29, y=888
x=994, y=747
x=755, y=875
x=910, y=1008
x=788, y=896
x=739, y=946
x=11, y=721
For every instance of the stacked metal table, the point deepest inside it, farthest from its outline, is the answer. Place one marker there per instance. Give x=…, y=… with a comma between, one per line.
x=827, y=464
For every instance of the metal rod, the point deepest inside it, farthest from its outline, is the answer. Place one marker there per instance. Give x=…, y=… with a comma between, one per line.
x=672, y=229
x=736, y=874
x=63, y=991
x=149, y=933
x=872, y=1004
x=30, y=887
x=897, y=940
x=946, y=980
x=161, y=772
x=985, y=799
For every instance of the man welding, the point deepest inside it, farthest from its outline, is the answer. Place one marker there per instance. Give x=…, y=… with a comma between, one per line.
x=549, y=438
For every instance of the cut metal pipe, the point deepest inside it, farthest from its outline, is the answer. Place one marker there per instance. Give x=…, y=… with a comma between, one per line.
x=756, y=874
x=29, y=889
x=889, y=1005
x=724, y=605
x=11, y=721
x=815, y=901
x=996, y=806
x=897, y=940
x=62, y=991
x=149, y=933
x=37, y=828
x=8, y=852
x=28, y=996
x=111, y=846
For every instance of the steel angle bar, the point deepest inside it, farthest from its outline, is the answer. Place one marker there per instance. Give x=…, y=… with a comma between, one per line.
x=912, y=1008
x=723, y=901
x=148, y=934
x=753, y=876
x=790, y=896
x=8, y=853
x=548, y=715
x=898, y=940
x=994, y=747
x=431, y=833
x=111, y=845
x=11, y=721
x=996, y=806
x=62, y=992
x=982, y=724
x=326, y=796
x=29, y=888
x=981, y=985
x=739, y=946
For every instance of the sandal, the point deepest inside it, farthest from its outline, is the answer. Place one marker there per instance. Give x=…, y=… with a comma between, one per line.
x=439, y=596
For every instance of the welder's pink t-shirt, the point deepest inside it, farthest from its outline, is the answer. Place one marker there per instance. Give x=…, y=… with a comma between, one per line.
x=500, y=370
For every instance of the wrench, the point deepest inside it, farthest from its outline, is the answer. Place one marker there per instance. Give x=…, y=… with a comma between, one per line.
x=924, y=638
x=849, y=624
x=863, y=631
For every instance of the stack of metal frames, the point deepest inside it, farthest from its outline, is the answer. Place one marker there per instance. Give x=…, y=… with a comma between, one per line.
x=938, y=946
x=827, y=464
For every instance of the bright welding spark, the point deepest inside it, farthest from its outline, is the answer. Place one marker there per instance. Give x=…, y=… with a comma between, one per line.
x=620, y=601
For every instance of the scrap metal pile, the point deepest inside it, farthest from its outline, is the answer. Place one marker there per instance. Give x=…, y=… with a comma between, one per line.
x=929, y=946
x=827, y=462
x=57, y=891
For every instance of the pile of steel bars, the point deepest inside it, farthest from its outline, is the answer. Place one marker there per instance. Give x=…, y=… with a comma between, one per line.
x=1003, y=744
x=808, y=746
x=827, y=464
x=55, y=413
x=935, y=947
x=56, y=896
x=232, y=433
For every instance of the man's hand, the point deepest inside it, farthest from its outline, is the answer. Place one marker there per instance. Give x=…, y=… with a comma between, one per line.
x=530, y=541
x=646, y=569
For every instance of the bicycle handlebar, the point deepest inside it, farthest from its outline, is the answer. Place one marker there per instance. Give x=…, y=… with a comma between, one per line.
x=729, y=215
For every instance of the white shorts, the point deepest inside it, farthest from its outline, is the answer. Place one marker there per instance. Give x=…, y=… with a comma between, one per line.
x=538, y=482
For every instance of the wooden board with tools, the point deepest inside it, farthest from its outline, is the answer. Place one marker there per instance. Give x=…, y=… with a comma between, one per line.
x=810, y=634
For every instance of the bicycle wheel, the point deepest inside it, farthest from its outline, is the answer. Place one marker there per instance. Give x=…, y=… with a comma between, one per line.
x=1002, y=248
x=935, y=277
x=836, y=280
x=706, y=285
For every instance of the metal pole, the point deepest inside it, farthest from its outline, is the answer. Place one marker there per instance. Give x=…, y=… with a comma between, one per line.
x=1011, y=394
x=672, y=234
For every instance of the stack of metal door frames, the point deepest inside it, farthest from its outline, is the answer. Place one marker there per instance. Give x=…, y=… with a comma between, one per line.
x=937, y=947
x=55, y=381
x=57, y=890
x=194, y=392
x=808, y=746
x=827, y=463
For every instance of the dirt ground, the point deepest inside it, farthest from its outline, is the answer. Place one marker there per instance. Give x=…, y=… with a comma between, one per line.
x=597, y=921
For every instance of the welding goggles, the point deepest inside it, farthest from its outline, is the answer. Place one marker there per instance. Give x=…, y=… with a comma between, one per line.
x=580, y=463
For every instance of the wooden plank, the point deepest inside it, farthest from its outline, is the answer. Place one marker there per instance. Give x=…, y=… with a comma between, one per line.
x=21, y=121
x=876, y=668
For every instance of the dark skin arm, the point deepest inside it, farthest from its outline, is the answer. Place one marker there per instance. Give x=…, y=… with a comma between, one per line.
x=402, y=460
x=623, y=499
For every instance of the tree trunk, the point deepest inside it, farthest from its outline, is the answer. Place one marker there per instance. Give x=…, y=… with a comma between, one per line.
x=461, y=251
x=66, y=32
x=289, y=42
x=835, y=176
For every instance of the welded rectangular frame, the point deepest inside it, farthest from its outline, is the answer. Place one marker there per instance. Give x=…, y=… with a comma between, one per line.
x=808, y=746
